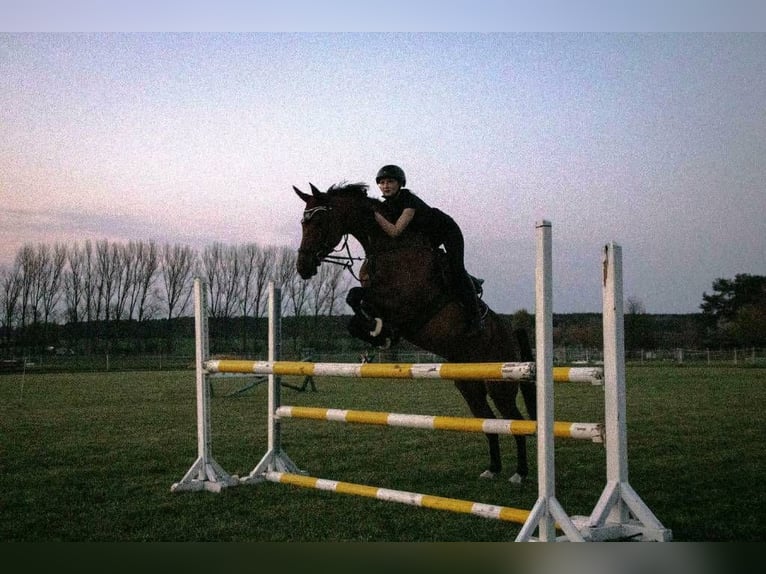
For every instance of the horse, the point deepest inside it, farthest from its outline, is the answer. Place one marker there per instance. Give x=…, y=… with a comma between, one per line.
x=405, y=286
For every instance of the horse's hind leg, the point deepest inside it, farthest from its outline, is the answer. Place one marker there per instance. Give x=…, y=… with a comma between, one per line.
x=503, y=394
x=475, y=395
x=529, y=393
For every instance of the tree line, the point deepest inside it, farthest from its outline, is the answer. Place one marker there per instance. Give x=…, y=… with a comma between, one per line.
x=93, y=284
x=104, y=291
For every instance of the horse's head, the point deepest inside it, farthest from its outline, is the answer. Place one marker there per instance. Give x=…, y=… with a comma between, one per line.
x=344, y=209
x=321, y=231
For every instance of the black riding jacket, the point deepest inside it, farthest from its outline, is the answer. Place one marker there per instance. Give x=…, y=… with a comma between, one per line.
x=439, y=227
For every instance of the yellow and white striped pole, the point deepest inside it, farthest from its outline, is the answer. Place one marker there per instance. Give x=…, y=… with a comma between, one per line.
x=506, y=513
x=588, y=431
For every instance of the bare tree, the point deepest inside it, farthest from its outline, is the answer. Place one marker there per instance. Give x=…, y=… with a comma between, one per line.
x=39, y=271
x=266, y=265
x=40, y=268
x=248, y=256
x=222, y=268
x=110, y=276
x=146, y=270
x=317, y=290
x=178, y=267
x=138, y=264
x=110, y=281
x=255, y=264
x=53, y=278
x=74, y=289
x=126, y=261
x=101, y=272
x=336, y=285
x=326, y=288
x=39, y=263
x=285, y=273
x=26, y=263
x=634, y=306
x=90, y=288
x=10, y=283
x=297, y=294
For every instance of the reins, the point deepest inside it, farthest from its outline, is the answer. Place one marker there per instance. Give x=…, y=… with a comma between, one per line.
x=346, y=261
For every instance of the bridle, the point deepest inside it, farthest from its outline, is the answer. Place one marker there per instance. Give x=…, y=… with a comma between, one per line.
x=346, y=261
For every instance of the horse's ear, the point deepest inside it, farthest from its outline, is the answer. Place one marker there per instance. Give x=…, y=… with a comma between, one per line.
x=304, y=196
x=314, y=191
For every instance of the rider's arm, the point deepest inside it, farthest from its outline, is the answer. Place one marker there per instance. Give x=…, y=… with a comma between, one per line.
x=396, y=229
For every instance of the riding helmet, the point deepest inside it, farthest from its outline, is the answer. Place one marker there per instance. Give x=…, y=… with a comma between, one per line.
x=393, y=172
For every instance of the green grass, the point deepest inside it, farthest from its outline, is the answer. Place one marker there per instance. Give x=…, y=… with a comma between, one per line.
x=92, y=456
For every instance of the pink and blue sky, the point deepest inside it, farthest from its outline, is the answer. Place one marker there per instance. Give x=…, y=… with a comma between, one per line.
x=190, y=122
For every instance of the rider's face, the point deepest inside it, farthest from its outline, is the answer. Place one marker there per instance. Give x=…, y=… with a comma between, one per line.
x=389, y=186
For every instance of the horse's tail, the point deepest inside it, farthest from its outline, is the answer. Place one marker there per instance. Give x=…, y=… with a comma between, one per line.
x=525, y=348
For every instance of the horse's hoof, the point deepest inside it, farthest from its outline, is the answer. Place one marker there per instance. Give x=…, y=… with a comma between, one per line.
x=488, y=474
x=516, y=479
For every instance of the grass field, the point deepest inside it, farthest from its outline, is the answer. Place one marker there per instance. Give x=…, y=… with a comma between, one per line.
x=92, y=456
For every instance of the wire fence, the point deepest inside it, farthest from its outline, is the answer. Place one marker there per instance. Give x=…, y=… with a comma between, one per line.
x=755, y=356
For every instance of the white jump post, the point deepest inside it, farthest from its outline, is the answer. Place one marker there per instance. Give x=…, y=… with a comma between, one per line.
x=619, y=513
x=205, y=473
x=275, y=459
x=547, y=510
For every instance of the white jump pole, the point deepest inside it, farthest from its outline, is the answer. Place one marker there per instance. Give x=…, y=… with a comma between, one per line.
x=205, y=473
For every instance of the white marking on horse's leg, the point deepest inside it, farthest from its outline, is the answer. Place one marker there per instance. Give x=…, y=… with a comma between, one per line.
x=488, y=474
x=516, y=479
x=378, y=327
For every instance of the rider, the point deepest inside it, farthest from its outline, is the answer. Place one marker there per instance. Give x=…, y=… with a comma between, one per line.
x=402, y=209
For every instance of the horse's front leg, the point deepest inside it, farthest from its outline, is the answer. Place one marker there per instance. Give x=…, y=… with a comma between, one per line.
x=475, y=395
x=365, y=324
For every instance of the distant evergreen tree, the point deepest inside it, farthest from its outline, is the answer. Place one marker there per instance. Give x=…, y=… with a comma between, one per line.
x=735, y=312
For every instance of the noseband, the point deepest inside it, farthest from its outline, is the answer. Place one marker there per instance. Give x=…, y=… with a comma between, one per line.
x=323, y=244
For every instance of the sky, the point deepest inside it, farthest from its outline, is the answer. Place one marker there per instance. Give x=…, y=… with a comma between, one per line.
x=183, y=123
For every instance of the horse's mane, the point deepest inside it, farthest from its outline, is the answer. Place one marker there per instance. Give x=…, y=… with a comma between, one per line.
x=357, y=190
x=343, y=188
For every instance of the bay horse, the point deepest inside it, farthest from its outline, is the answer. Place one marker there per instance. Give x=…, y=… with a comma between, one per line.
x=406, y=287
